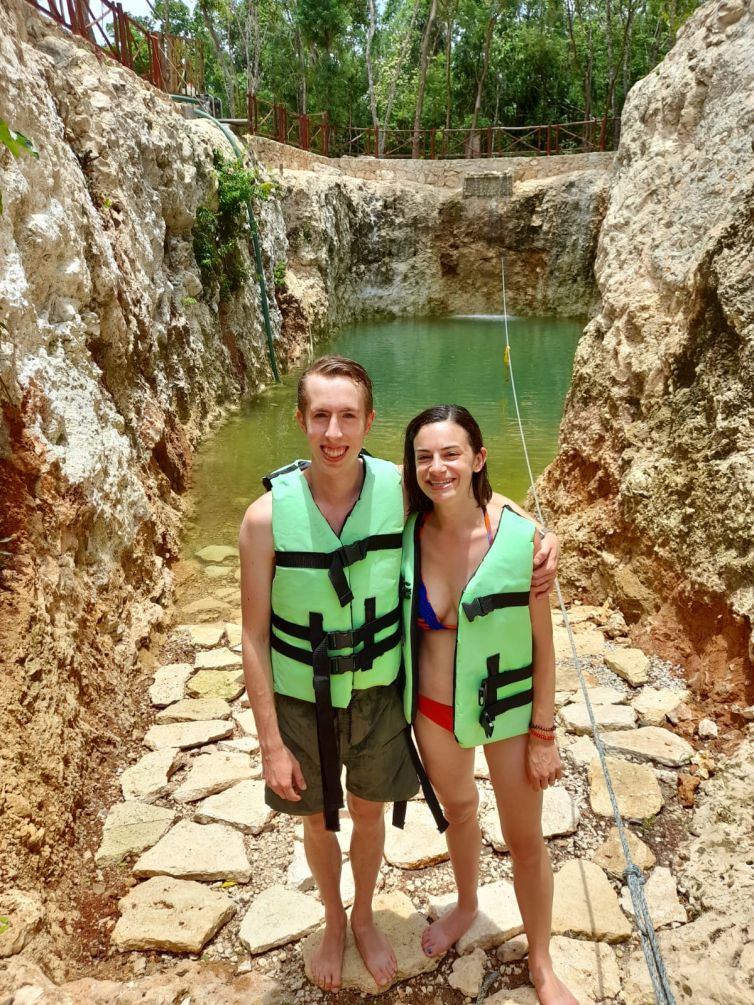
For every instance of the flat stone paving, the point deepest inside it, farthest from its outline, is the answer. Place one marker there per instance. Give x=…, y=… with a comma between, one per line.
x=223, y=875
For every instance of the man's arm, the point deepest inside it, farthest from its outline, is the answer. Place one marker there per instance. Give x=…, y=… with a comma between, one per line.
x=546, y=555
x=282, y=771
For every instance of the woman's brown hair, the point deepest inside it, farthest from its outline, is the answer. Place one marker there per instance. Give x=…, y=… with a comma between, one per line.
x=480, y=482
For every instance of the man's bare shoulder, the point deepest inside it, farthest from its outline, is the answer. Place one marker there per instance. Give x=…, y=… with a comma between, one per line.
x=257, y=520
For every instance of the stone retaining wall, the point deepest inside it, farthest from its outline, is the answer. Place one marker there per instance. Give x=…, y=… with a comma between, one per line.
x=441, y=174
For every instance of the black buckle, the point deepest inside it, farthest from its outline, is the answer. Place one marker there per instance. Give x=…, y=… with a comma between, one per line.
x=343, y=664
x=339, y=640
x=477, y=608
x=483, y=693
x=487, y=723
x=351, y=553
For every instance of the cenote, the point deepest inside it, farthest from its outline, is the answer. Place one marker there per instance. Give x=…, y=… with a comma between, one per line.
x=413, y=364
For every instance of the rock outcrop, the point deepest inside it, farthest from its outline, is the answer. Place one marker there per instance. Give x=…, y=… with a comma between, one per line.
x=653, y=486
x=111, y=366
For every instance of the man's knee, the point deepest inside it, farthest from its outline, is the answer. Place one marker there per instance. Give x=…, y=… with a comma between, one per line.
x=365, y=813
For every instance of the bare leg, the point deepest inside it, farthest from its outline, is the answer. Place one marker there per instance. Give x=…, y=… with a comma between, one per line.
x=367, y=845
x=520, y=809
x=324, y=858
x=451, y=770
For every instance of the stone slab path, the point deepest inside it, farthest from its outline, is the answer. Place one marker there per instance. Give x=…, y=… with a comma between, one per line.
x=218, y=873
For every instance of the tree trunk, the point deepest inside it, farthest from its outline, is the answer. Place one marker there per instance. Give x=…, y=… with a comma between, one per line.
x=222, y=57
x=450, y=18
x=370, y=72
x=405, y=45
x=423, y=63
x=492, y=17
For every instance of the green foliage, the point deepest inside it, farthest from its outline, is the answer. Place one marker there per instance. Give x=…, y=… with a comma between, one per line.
x=4, y=922
x=279, y=270
x=17, y=143
x=219, y=230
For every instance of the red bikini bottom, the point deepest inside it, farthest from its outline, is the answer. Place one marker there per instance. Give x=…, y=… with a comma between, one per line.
x=436, y=711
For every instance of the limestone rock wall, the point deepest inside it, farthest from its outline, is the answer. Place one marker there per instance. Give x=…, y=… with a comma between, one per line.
x=653, y=486
x=111, y=369
x=385, y=248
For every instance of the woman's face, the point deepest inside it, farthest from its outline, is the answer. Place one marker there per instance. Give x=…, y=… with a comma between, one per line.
x=445, y=461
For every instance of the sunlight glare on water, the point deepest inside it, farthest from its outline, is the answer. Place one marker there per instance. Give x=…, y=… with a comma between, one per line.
x=413, y=364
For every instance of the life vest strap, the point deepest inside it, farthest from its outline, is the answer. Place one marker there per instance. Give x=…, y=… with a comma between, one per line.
x=267, y=479
x=345, y=639
x=327, y=742
x=362, y=660
x=337, y=561
x=399, y=813
x=481, y=606
x=492, y=706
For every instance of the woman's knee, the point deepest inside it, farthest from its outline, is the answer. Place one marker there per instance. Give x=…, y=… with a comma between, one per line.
x=461, y=808
x=526, y=849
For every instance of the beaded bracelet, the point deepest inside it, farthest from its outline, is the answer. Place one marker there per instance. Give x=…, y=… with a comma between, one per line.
x=543, y=729
x=548, y=737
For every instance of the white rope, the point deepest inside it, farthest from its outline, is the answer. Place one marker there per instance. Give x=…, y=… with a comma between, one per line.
x=633, y=874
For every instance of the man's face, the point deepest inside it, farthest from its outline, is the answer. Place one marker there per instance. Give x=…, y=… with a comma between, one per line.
x=335, y=420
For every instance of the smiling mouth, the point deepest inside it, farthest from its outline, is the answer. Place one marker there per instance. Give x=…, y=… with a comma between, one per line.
x=441, y=485
x=334, y=453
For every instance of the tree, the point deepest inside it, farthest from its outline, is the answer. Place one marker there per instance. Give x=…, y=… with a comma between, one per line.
x=423, y=62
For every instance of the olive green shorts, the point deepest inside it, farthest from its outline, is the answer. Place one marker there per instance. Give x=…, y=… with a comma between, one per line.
x=372, y=744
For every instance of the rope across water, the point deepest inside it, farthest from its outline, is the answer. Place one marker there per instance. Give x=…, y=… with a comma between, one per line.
x=632, y=873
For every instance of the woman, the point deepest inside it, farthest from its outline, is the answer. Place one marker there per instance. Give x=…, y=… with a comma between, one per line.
x=480, y=668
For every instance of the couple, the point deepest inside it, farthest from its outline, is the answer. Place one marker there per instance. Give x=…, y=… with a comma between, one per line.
x=323, y=580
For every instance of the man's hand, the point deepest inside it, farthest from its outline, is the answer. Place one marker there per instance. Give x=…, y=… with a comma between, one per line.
x=543, y=767
x=283, y=775
x=546, y=565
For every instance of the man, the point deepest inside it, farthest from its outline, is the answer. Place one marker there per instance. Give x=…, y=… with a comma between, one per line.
x=320, y=566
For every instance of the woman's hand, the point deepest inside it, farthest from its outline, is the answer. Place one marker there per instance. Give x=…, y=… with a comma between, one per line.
x=545, y=564
x=543, y=767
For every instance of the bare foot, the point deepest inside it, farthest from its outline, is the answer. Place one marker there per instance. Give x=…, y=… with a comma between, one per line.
x=376, y=951
x=551, y=990
x=447, y=930
x=327, y=962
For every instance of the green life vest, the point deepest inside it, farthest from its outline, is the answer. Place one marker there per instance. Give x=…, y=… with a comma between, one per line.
x=335, y=602
x=492, y=672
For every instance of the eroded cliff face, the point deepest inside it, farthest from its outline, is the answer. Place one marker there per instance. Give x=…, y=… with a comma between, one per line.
x=385, y=248
x=111, y=369
x=653, y=486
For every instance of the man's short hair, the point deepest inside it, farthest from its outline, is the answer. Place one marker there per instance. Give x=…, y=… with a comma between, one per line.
x=337, y=366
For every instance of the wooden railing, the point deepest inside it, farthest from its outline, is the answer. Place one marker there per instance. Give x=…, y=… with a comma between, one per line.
x=308, y=132
x=492, y=141
x=172, y=63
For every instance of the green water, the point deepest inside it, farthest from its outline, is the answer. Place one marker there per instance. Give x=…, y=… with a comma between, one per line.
x=413, y=364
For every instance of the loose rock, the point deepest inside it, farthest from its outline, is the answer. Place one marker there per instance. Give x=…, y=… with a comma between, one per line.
x=585, y=904
x=635, y=785
x=227, y=684
x=197, y=851
x=576, y=719
x=195, y=710
x=169, y=682
x=148, y=779
x=279, y=916
x=171, y=915
x=630, y=664
x=211, y=773
x=468, y=973
x=590, y=966
x=609, y=856
x=241, y=806
x=203, y=636
x=185, y=735
x=418, y=845
x=560, y=815
x=129, y=828
x=651, y=743
x=217, y=659
x=216, y=553
x=653, y=705
x=662, y=899
x=24, y=913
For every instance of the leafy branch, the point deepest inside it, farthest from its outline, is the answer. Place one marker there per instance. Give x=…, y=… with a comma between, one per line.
x=17, y=143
